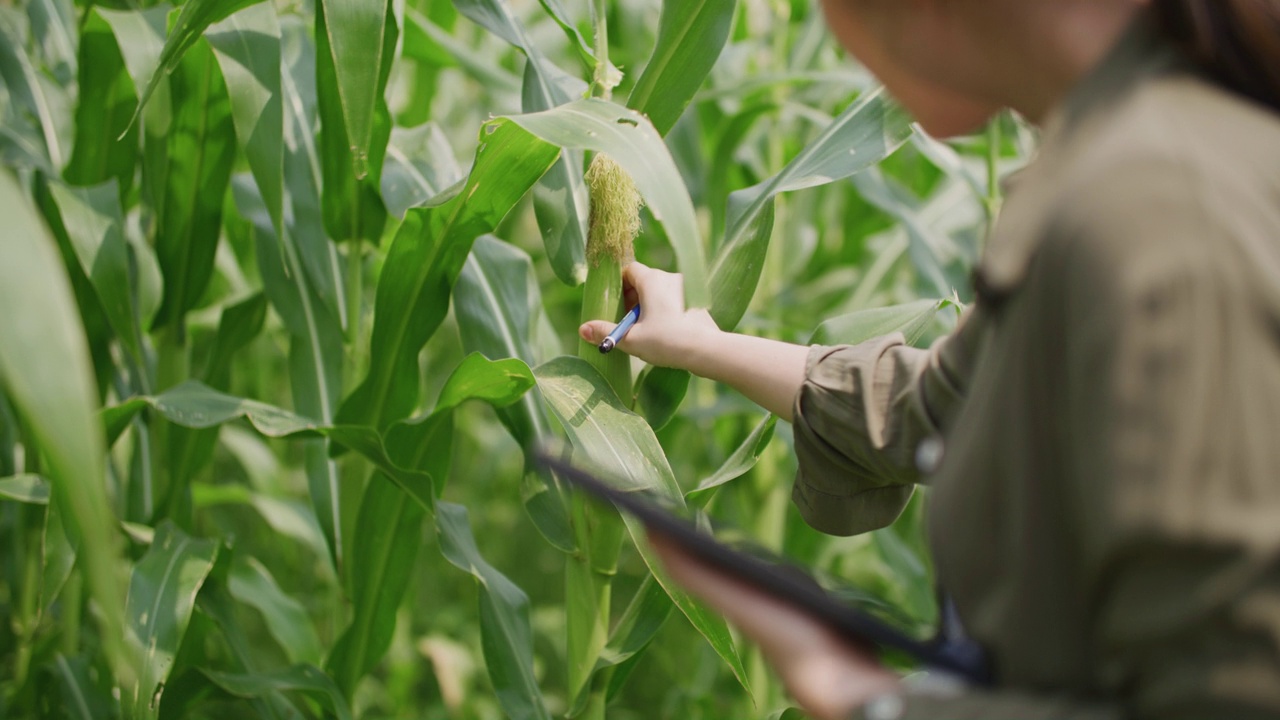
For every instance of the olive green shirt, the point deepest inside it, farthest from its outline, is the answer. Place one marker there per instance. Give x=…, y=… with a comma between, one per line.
x=1105, y=512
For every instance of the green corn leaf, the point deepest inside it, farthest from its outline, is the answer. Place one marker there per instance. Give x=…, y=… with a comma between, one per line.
x=247, y=46
x=95, y=227
x=105, y=144
x=498, y=303
x=240, y=325
x=864, y=134
x=304, y=678
x=140, y=37
x=25, y=488
x=389, y=530
x=353, y=62
x=561, y=201
x=579, y=43
x=423, y=265
x=419, y=166
x=190, y=450
x=660, y=392
x=441, y=43
x=632, y=141
x=691, y=34
x=639, y=624
x=304, y=171
x=359, y=38
x=162, y=595
x=188, y=166
x=738, y=464
x=927, y=247
x=84, y=696
x=59, y=553
x=733, y=134
x=428, y=59
x=315, y=346
x=910, y=319
x=194, y=18
x=45, y=371
x=387, y=537
x=44, y=101
x=619, y=444
x=194, y=405
x=287, y=518
x=53, y=27
x=216, y=611
x=504, y=618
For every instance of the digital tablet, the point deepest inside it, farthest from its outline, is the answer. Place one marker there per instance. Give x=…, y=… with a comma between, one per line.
x=960, y=657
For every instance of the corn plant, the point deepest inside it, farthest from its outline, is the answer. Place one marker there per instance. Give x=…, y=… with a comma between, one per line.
x=288, y=299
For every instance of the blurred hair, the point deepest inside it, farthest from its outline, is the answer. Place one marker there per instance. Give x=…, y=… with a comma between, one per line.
x=1237, y=41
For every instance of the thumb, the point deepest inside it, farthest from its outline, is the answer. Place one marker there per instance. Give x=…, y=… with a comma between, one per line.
x=595, y=331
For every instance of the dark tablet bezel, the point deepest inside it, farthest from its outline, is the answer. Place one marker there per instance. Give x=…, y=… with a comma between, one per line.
x=787, y=583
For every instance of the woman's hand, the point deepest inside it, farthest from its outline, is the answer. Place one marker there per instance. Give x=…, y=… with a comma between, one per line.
x=828, y=677
x=667, y=335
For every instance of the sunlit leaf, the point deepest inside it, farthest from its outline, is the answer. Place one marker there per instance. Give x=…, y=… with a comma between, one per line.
x=194, y=405
x=358, y=38
x=864, y=134
x=560, y=198
x=691, y=34
x=424, y=262
x=631, y=140
x=42, y=99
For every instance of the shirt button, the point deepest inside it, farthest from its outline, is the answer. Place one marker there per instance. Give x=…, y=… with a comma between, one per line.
x=929, y=454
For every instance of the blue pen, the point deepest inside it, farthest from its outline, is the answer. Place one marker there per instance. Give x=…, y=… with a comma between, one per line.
x=620, y=331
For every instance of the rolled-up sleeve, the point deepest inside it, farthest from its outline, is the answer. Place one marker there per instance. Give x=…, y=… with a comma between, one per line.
x=859, y=419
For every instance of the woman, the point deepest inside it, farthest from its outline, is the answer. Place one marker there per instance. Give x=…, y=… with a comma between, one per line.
x=1102, y=432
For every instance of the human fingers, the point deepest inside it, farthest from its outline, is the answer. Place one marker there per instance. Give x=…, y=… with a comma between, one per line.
x=596, y=331
x=658, y=291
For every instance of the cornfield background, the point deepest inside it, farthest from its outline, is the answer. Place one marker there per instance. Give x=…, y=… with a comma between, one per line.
x=289, y=292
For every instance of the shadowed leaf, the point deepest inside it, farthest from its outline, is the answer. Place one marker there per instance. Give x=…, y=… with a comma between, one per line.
x=162, y=595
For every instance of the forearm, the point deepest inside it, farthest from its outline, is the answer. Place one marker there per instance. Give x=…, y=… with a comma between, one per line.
x=768, y=372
